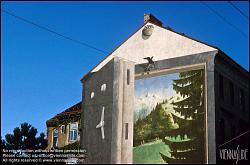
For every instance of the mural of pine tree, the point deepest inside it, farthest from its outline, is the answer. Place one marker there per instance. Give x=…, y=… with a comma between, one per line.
x=187, y=141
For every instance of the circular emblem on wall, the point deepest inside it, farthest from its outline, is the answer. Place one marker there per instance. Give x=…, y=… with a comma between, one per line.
x=148, y=30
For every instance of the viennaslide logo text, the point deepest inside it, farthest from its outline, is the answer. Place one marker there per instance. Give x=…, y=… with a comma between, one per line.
x=233, y=154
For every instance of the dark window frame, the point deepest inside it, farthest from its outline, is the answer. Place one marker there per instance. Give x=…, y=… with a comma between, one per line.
x=73, y=133
x=242, y=100
x=231, y=90
x=221, y=86
x=222, y=130
x=63, y=129
x=55, y=138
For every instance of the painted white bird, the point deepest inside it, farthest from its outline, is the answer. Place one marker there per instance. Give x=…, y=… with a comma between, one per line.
x=101, y=124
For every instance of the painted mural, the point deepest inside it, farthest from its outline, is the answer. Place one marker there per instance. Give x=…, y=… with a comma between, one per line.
x=169, y=119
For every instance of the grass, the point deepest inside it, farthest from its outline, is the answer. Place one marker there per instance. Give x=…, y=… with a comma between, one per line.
x=149, y=153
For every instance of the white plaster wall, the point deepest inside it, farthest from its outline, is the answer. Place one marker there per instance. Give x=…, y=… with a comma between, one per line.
x=162, y=44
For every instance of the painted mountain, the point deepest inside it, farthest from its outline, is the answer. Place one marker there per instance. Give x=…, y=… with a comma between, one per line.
x=150, y=91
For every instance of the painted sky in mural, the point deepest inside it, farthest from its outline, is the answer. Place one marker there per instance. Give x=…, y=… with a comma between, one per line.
x=153, y=90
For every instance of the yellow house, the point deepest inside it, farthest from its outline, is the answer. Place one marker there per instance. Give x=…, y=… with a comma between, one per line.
x=64, y=128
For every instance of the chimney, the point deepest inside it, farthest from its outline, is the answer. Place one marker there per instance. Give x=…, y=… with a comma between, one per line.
x=152, y=19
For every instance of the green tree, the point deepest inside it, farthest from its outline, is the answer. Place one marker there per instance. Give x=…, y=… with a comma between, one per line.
x=151, y=127
x=24, y=137
x=3, y=144
x=189, y=148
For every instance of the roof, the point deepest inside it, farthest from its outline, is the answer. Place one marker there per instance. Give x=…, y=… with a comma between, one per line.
x=149, y=21
x=71, y=112
x=228, y=59
x=86, y=76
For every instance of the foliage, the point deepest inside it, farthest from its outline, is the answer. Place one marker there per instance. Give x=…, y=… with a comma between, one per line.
x=151, y=127
x=190, y=149
x=3, y=143
x=24, y=137
x=64, y=120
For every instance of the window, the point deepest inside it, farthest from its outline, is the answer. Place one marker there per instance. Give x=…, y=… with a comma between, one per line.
x=126, y=131
x=221, y=87
x=242, y=100
x=243, y=128
x=231, y=86
x=55, y=138
x=63, y=129
x=222, y=131
x=92, y=95
x=128, y=76
x=233, y=134
x=103, y=87
x=73, y=132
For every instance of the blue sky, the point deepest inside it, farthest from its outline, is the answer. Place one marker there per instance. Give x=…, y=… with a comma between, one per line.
x=40, y=72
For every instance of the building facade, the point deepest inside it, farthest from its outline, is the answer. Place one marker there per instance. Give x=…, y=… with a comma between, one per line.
x=231, y=83
x=64, y=128
x=162, y=89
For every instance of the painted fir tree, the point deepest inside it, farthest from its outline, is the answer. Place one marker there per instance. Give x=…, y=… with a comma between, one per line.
x=187, y=141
